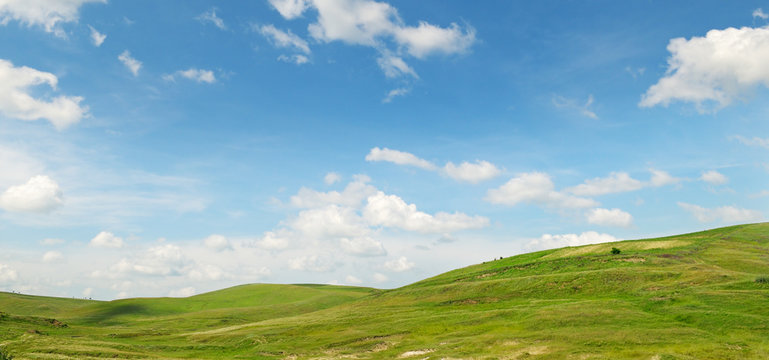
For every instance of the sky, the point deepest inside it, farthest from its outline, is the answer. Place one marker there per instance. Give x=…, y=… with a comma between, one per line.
x=170, y=148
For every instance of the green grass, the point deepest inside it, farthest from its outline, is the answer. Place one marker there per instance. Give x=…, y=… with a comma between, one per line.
x=696, y=296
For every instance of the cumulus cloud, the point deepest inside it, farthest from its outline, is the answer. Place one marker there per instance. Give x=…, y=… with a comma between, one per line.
x=332, y=178
x=331, y=221
x=363, y=246
x=607, y=217
x=197, y=75
x=46, y=13
x=52, y=256
x=399, y=265
x=132, y=64
x=97, y=38
x=472, y=172
x=618, y=182
x=106, y=239
x=392, y=211
x=210, y=17
x=714, y=70
x=40, y=194
x=662, y=178
x=535, y=188
x=398, y=157
x=378, y=277
x=352, y=280
x=7, y=274
x=163, y=260
x=284, y=39
x=714, y=177
x=548, y=241
x=724, y=214
x=313, y=263
x=183, y=292
x=614, y=183
x=290, y=9
x=16, y=100
x=272, y=241
x=217, y=242
x=52, y=241
x=378, y=25
x=353, y=194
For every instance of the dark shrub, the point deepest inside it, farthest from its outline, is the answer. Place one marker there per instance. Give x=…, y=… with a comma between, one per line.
x=615, y=251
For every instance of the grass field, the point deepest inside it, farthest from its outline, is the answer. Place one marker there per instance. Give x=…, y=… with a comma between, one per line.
x=696, y=296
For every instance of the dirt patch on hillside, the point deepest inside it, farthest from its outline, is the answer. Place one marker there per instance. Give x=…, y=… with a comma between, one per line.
x=415, y=353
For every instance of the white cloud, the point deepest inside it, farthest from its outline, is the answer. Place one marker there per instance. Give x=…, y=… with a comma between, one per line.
x=332, y=178
x=759, y=13
x=606, y=217
x=46, y=13
x=392, y=94
x=755, y=141
x=352, y=280
x=399, y=265
x=40, y=194
x=535, y=188
x=161, y=260
x=7, y=274
x=312, y=263
x=472, y=173
x=17, y=102
x=714, y=70
x=353, y=195
x=394, y=66
x=331, y=221
x=52, y=242
x=132, y=64
x=725, y=214
x=106, y=239
x=378, y=25
x=294, y=59
x=427, y=39
x=398, y=157
x=217, y=243
x=273, y=241
x=584, y=110
x=548, y=241
x=52, y=256
x=206, y=272
x=392, y=211
x=284, y=39
x=714, y=177
x=210, y=16
x=614, y=183
x=290, y=9
x=363, y=246
x=662, y=178
x=97, y=38
x=198, y=75
x=87, y=292
x=378, y=277
x=183, y=292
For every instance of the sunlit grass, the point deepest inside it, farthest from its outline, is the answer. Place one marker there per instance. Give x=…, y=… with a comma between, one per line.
x=694, y=296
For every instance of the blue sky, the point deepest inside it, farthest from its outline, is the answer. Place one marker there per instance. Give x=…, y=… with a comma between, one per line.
x=172, y=148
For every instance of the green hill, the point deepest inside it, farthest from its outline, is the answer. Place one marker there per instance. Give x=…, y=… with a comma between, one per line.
x=696, y=296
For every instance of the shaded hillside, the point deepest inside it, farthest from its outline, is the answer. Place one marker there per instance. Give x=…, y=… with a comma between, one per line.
x=695, y=296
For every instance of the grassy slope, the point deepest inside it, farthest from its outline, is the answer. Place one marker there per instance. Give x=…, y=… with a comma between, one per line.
x=692, y=296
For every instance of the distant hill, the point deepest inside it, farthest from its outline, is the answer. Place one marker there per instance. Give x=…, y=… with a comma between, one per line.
x=703, y=295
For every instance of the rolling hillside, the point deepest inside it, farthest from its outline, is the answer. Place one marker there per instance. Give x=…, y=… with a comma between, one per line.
x=696, y=296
